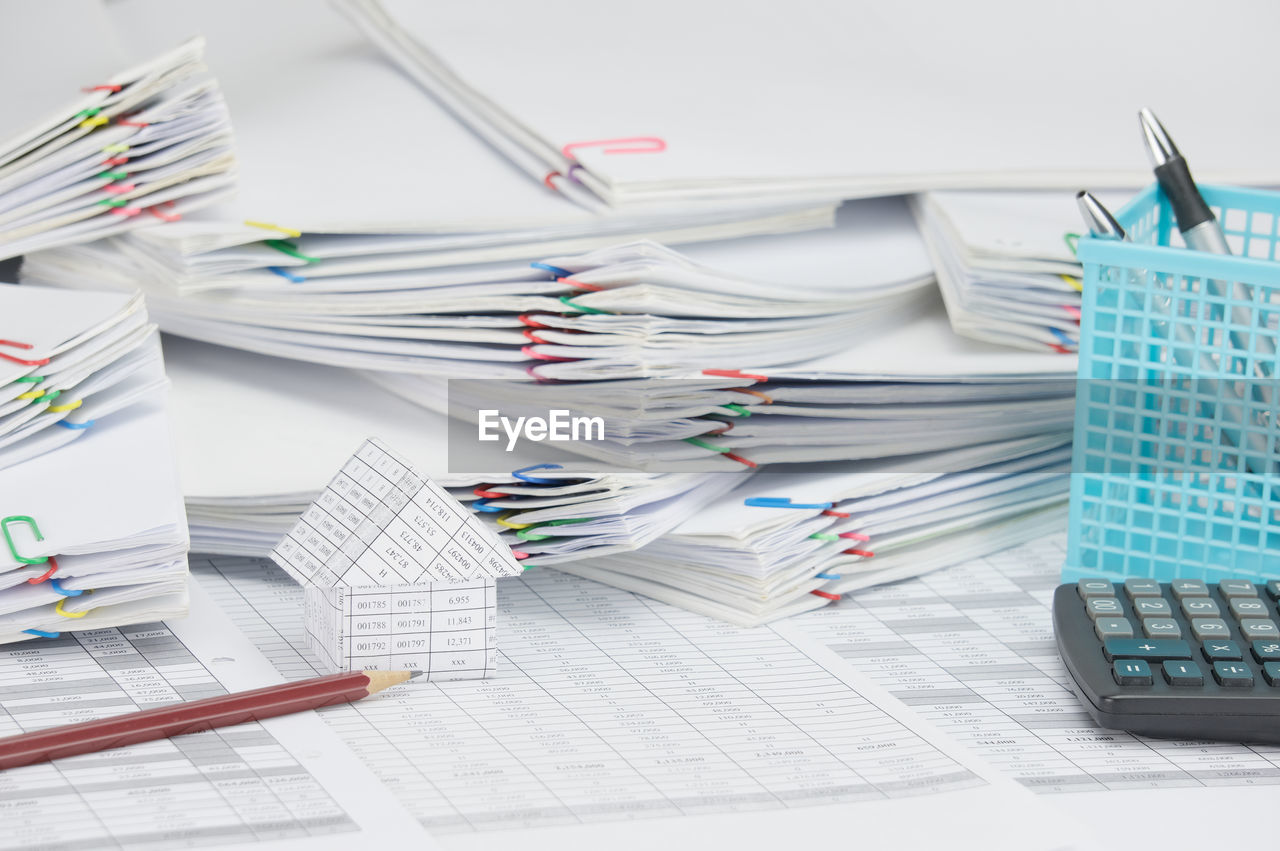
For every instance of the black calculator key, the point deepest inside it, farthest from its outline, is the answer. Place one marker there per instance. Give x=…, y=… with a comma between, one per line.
x=1233, y=674
x=1221, y=651
x=1273, y=589
x=1182, y=673
x=1271, y=673
x=1113, y=628
x=1153, y=649
x=1104, y=607
x=1131, y=672
x=1266, y=651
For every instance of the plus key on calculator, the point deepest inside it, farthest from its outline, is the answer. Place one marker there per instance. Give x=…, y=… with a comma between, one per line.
x=1187, y=658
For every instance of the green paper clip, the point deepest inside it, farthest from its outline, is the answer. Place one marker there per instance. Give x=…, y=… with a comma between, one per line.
x=290, y=249
x=702, y=444
x=825, y=536
x=112, y=175
x=112, y=202
x=568, y=302
x=737, y=409
x=8, y=537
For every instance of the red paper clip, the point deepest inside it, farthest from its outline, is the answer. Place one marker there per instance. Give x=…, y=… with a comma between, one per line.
x=573, y=282
x=168, y=217
x=734, y=373
x=532, y=323
x=484, y=494
x=103, y=88
x=752, y=464
x=125, y=122
x=826, y=594
x=53, y=562
x=532, y=337
x=854, y=536
x=856, y=552
x=628, y=145
x=550, y=176
x=525, y=350
x=115, y=161
x=843, y=515
x=15, y=344
x=119, y=189
x=519, y=555
x=125, y=211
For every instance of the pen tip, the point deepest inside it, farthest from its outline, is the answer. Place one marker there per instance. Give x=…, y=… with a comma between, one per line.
x=1099, y=219
x=1160, y=147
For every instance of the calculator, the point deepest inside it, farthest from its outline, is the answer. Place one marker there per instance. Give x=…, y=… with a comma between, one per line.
x=1186, y=659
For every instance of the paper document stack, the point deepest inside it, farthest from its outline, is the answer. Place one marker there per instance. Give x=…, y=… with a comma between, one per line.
x=786, y=542
x=90, y=508
x=88, y=150
x=247, y=478
x=1006, y=264
x=676, y=101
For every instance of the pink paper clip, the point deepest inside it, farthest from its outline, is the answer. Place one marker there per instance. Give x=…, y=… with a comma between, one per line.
x=24, y=362
x=626, y=145
x=119, y=188
x=168, y=217
x=125, y=211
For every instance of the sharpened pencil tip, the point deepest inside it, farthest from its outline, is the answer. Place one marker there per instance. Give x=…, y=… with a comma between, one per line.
x=413, y=675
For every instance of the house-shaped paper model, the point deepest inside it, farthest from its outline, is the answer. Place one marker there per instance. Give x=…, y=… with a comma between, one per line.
x=398, y=575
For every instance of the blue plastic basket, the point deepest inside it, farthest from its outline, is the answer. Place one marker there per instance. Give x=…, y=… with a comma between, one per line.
x=1175, y=468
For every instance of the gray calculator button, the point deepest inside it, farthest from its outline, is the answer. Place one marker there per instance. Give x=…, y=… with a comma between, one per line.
x=1152, y=607
x=1189, y=588
x=1161, y=628
x=1247, y=607
x=1095, y=588
x=1103, y=607
x=1204, y=628
x=1256, y=629
x=1237, y=588
x=1200, y=607
x=1141, y=588
x=1114, y=628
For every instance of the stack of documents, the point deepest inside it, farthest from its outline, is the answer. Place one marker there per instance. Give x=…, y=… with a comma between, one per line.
x=88, y=150
x=789, y=541
x=836, y=100
x=911, y=386
x=627, y=310
x=247, y=477
x=1006, y=264
x=90, y=509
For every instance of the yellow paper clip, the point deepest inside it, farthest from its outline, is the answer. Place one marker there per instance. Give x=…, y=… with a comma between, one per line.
x=1075, y=283
x=269, y=226
x=70, y=406
x=31, y=394
x=503, y=521
x=115, y=149
x=67, y=614
x=95, y=121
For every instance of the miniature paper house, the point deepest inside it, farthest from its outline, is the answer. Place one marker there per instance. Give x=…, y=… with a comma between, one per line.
x=398, y=575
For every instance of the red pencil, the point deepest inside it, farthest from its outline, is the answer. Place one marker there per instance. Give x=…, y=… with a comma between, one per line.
x=222, y=711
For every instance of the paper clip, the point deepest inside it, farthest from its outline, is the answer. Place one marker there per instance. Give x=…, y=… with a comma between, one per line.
x=484, y=494
x=529, y=353
x=31, y=395
x=532, y=323
x=520, y=555
x=580, y=285
x=115, y=149
x=1075, y=283
x=556, y=271
x=734, y=373
x=626, y=145
x=1072, y=311
x=768, y=400
x=824, y=536
x=121, y=189
x=502, y=520
x=58, y=608
x=826, y=576
x=546, y=181
x=286, y=274
x=532, y=337
x=113, y=161
x=40, y=633
x=127, y=121
x=103, y=88
x=738, y=410
x=856, y=552
x=268, y=226
x=126, y=211
x=167, y=217
x=15, y=344
x=112, y=202
x=1062, y=336
x=8, y=537
x=112, y=175
x=66, y=592
x=25, y=379
x=92, y=118
x=529, y=534
x=783, y=502
x=82, y=425
x=702, y=444
x=534, y=480
x=1073, y=242
x=825, y=594
x=483, y=505
x=44, y=576
x=70, y=406
x=854, y=536
x=565, y=300
x=290, y=249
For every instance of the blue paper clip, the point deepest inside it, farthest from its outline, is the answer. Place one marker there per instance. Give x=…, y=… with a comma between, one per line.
x=826, y=576
x=40, y=633
x=554, y=270
x=286, y=274
x=534, y=480
x=84, y=424
x=483, y=505
x=1061, y=335
x=66, y=592
x=784, y=502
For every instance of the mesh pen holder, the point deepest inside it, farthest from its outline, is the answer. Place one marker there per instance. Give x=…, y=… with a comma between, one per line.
x=1175, y=468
